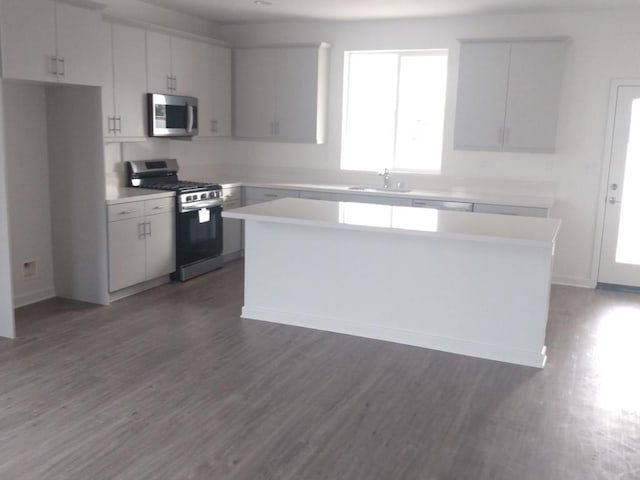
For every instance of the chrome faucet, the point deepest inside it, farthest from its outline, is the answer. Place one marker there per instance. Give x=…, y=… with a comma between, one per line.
x=385, y=175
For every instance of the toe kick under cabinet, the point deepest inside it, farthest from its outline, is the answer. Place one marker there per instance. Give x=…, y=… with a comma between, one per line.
x=141, y=241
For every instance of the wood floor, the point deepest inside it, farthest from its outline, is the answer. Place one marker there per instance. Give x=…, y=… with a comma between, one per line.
x=171, y=384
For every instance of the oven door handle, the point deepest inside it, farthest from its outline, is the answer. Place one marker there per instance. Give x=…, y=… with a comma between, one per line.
x=193, y=206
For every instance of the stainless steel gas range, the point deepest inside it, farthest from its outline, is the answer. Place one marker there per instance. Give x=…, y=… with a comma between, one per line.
x=198, y=215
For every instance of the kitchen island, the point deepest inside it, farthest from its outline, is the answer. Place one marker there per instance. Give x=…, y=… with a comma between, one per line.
x=468, y=283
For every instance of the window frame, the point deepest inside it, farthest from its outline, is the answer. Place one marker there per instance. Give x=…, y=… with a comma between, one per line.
x=345, y=104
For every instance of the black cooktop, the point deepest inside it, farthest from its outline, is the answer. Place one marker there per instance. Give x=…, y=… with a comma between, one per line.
x=181, y=186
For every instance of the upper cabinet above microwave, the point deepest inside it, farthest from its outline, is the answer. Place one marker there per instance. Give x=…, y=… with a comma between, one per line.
x=196, y=68
x=51, y=41
x=280, y=93
x=508, y=94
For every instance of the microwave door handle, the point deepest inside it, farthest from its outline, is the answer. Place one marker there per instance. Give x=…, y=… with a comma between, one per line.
x=189, y=118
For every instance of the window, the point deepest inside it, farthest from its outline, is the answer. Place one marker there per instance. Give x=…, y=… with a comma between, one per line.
x=393, y=113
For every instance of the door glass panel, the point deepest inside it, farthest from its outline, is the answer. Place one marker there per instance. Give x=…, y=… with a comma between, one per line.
x=628, y=246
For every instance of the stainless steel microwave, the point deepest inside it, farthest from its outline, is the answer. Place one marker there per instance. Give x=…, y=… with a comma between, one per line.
x=172, y=115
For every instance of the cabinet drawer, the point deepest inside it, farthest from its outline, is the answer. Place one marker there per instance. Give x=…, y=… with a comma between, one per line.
x=511, y=210
x=151, y=207
x=123, y=211
x=443, y=205
x=266, y=194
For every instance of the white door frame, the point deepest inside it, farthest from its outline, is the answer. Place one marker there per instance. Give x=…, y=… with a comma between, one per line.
x=604, y=174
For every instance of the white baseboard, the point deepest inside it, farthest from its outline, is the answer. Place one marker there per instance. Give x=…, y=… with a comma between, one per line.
x=568, y=281
x=28, y=298
x=418, y=339
x=139, y=288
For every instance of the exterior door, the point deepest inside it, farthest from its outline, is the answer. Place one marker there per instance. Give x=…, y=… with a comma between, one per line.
x=620, y=251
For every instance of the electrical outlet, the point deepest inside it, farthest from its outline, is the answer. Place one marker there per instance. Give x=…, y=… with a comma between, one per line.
x=29, y=269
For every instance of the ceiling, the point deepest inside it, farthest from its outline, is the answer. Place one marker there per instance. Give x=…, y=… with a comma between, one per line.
x=245, y=11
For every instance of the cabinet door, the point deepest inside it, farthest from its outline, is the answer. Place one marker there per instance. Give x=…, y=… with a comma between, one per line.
x=296, y=94
x=79, y=45
x=126, y=253
x=535, y=79
x=212, y=87
x=254, y=93
x=108, y=92
x=203, y=80
x=159, y=63
x=482, y=95
x=161, y=245
x=28, y=39
x=183, y=63
x=130, y=79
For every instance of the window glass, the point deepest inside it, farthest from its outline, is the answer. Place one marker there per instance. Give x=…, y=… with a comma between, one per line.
x=393, y=113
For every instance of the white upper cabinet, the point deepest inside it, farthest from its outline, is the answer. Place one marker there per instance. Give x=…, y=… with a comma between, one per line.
x=170, y=64
x=159, y=74
x=254, y=100
x=212, y=87
x=51, y=41
x=508, y=95
x=280, y=93
x=126, y=84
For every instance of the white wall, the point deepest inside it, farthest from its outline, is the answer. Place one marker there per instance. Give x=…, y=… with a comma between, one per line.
x=78, y=213
x=27, y=168
x=603, y=46
x=7, y=323
x=200, y=159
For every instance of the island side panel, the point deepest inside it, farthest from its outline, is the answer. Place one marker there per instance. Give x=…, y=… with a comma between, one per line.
x=472, y=297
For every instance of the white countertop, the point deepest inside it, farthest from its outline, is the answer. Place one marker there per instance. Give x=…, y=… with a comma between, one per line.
x=404, y=220
x=124, y=195
x=454, y=194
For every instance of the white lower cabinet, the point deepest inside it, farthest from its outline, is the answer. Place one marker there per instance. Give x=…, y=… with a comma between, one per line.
x=253, y=195
x=511, y=210
x=231, y=227
x=141, y=241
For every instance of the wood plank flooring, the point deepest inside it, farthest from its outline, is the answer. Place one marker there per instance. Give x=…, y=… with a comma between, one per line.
x=172, y=384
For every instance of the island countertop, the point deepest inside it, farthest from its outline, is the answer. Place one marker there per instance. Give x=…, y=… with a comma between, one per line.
x=404, y=220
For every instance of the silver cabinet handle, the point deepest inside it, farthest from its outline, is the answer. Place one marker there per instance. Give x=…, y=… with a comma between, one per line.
x=168, y=83
x=175, y=84
x=119, y=127
x=141, y=231
x=613, y=201
x=109, y=127
x=614, y=186
x=125, y=212
x=61, y=64
x=147, y=232
x=53, y=65
x=157, y=208
x=214, y=126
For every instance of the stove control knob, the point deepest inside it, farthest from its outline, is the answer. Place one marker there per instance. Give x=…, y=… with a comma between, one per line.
x=188, y=198
x=212, y=194
x=203, y=196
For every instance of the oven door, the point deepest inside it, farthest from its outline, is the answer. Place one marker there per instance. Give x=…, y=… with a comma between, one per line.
x=198, y=235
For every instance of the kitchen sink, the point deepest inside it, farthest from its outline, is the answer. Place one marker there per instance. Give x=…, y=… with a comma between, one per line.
x=379, y=189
